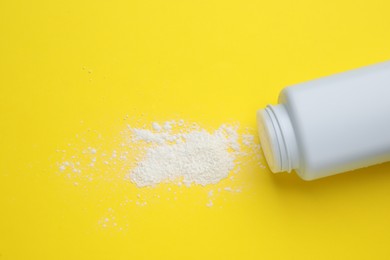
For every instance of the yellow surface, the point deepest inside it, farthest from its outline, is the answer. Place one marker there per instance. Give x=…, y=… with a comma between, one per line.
x=72, y=68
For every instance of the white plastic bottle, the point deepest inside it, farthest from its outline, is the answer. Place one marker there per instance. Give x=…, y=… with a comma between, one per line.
x=330, y=125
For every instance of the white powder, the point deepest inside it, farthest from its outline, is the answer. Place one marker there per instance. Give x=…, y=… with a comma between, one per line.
x=193, y=157
x=167, y=125
x=210, y=203
x=156, y=126
x=247, y=139
x=177, y=152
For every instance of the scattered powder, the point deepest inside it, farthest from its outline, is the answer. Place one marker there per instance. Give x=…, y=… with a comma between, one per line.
x=168, y=126
x=210, y=194
x=247, y=139
x=174, y=152
x=231, y=189
x=210, y=203
x=193, y=157
x=156, y=126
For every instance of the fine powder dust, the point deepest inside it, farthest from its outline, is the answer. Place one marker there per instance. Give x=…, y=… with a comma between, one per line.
x=176, y=152
x=190, y=157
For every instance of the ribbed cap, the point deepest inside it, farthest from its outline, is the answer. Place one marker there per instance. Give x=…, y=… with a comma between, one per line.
x=278, y=139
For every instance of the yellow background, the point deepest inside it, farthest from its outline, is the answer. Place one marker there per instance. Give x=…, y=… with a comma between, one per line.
x=67, y=67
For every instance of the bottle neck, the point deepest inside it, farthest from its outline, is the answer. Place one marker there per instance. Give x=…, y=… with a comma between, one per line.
x=278, y=138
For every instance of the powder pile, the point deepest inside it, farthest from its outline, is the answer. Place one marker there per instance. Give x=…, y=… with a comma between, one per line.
x=193, y=156
x=174, y=152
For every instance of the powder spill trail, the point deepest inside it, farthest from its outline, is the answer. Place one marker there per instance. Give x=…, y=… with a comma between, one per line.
x=174, y=152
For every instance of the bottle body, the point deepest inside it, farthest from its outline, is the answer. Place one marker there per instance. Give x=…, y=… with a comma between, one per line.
x=330, y=125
